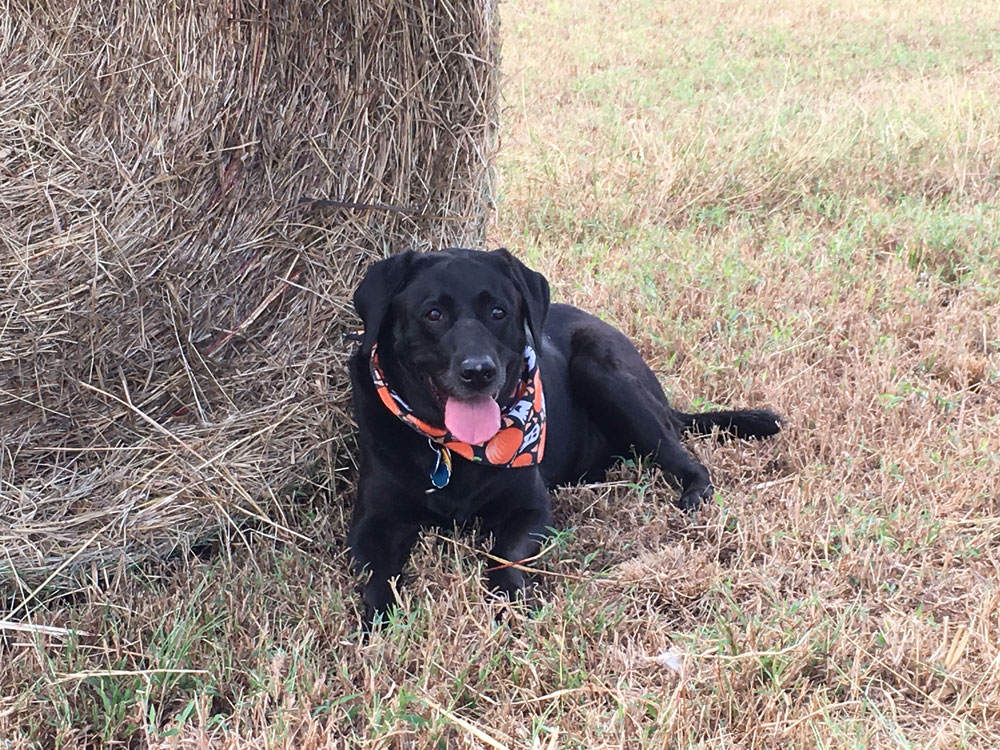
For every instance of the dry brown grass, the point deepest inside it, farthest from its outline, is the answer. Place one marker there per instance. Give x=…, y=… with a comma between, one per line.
x=785, y=204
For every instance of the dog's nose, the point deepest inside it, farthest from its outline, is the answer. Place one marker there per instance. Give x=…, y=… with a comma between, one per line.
x=478, y=371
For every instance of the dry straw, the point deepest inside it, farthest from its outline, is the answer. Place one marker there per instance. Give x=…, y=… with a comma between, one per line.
x=170, y=304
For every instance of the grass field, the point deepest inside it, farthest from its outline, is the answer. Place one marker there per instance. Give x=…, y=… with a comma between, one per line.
x=785, y=204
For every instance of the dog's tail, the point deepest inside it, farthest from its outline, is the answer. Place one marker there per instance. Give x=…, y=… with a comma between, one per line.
x=747, y=423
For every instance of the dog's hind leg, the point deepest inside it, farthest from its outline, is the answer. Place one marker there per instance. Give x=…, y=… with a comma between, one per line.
x=633, y=416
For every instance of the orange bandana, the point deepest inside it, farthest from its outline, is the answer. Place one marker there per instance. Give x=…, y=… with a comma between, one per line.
x=520, y=440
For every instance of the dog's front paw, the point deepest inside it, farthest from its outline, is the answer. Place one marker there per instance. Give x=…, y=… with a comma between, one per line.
x=378, y=599
x=508, y=580
x=691, y=498
x=520, y=592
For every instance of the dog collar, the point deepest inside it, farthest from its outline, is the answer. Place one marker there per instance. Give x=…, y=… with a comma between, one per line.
x=520, y=441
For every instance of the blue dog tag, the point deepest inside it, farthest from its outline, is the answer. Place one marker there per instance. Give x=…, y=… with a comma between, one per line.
x=441, y=473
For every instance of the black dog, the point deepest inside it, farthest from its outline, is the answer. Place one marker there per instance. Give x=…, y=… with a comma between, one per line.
x=462, y=354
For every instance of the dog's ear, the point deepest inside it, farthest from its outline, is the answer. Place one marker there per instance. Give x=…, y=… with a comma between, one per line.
x=380, y=284
x=534, y=289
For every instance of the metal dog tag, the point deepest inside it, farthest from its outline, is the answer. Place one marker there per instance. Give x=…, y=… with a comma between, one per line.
x=441, y=473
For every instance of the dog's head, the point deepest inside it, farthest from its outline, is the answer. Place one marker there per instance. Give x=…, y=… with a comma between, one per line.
x=451, y=329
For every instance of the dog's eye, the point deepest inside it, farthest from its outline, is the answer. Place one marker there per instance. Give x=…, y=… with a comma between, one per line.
x=433, y=314
x=498, y=313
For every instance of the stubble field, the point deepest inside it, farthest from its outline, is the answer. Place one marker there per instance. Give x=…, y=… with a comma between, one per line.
x=785, y=204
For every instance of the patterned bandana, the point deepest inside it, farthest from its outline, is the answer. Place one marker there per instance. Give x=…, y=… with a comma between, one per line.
x=519, y=442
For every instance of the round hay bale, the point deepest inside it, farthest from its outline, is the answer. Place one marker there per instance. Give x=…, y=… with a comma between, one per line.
x=171, y=303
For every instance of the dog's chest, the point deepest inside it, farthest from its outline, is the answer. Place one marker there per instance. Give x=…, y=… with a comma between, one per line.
x=449, y=504
x=470, y=488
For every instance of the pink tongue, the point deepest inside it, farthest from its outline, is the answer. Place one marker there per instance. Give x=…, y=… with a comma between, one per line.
x=473, y=421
